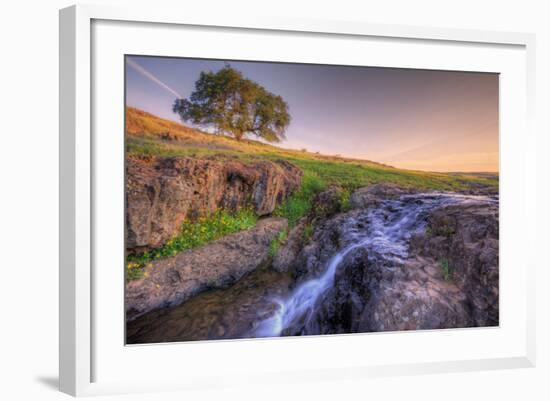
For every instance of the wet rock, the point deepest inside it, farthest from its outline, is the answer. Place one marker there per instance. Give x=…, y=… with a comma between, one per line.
x=285, y=258
x=233, y=312
x=161, y=192
x=448, y=279
x=171, y=281
x=371, y=196
x=415, y=298
x=327, y=203
x=328, y=237
x=339, y=309
x=370, y=297
x=466, y=239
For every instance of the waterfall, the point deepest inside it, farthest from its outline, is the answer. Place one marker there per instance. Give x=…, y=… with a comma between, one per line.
x=389, y=228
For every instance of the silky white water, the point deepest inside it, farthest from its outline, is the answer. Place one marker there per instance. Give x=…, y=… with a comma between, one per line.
x=384, y=232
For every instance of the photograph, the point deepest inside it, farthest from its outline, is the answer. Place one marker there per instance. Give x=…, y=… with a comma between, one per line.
x=269, y=199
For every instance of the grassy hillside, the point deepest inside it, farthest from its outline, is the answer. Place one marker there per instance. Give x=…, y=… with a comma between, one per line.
x=148, y=134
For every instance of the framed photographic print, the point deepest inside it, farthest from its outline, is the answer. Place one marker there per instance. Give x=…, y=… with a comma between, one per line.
x=237, y=197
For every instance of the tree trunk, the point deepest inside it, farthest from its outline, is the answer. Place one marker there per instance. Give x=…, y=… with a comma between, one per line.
x=238, y=135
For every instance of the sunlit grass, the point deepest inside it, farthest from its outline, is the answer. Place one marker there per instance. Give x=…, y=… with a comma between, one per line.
x=300, y=202
x=193, y=234
x=348, y=173
x=145, y=132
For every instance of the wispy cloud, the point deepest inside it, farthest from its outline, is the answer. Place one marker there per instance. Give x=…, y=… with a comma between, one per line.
x=149, y=75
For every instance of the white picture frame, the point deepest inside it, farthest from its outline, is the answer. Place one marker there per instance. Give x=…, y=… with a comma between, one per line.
x=84, y=349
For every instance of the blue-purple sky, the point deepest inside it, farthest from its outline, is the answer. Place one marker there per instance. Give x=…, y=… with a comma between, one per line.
x=415, y=119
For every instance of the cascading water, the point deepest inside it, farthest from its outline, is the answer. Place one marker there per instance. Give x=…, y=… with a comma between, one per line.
x=389, y=228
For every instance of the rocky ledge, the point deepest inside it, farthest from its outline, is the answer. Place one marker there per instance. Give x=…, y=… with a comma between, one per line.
x=464, y=239
x=172, y=281
x=448, y=278
x=163, y=191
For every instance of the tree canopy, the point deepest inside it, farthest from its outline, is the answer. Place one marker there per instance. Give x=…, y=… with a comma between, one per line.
x=234, y=105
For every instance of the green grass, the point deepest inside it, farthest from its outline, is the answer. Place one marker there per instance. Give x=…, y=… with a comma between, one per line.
x=145, y=132
x=276, y=243
x=318, y=174
x=300, y=202
x=344, y=200
x=348, y=173
x=193, y=234
x=307, y=233
x=352, y=175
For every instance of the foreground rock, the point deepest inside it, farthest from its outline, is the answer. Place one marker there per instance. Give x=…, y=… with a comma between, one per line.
x=163, y=191
x=465, y=239
x=171, y=281
x=448, y=278
x=371, y=196
x=370, y=297
x=228, y=313
x=325, y=204
x=284, y=259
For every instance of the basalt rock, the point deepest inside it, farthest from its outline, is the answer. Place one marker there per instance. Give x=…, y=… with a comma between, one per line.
x=161, y=192
x=172, y=281
x=371, y=196
x=465, y=239
x=449, y=278
x=284, y=259
x=325, y=205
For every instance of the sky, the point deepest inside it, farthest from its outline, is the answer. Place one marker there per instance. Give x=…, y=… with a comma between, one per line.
x=414, y=119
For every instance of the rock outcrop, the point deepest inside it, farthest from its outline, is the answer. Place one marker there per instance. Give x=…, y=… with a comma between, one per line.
x=161, y=192
x=465, y=239
x=285, y=257
x=449, y=278
x=445, y=277
x=325, y=204
x=371, y=196
x=369, y=297
x=171, y=281
x=229, y=313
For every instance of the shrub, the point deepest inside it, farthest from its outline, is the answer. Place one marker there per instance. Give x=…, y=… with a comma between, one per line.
x=344, y=200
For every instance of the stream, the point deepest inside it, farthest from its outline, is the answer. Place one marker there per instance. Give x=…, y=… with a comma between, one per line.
x=386, y=236
x=262, y=303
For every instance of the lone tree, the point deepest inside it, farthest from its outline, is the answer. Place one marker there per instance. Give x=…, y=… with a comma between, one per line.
x=234, y=105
